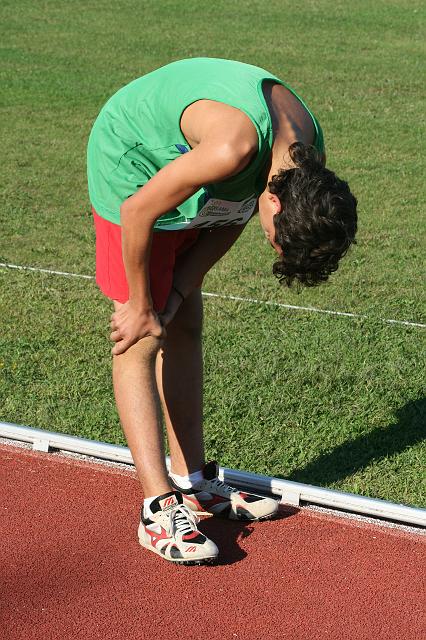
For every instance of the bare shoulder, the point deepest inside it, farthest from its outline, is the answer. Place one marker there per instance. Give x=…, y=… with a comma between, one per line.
x=287, y=112
x=219, y=123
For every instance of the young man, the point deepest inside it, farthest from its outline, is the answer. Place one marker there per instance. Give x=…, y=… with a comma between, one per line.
x=178, y=161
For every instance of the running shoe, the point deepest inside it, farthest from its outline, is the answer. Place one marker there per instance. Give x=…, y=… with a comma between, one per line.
x=211, y=495
x=171, y=532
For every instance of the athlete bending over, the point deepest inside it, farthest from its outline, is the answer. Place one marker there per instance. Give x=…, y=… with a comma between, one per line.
x=178, y=162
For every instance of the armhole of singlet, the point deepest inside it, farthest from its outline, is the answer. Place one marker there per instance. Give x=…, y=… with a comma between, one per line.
x=318, y=133
x=258, y=131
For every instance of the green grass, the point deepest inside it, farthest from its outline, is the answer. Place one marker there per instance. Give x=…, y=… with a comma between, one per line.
x=319, y=399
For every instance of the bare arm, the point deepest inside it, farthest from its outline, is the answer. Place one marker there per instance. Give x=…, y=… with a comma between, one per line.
x=164, y=192
x=212, y=160
x=200, y=258
x=209, y=248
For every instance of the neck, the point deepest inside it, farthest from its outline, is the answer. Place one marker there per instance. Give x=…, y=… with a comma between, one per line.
x=280, y=157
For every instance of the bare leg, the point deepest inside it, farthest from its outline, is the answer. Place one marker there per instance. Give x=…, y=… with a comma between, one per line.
x=180, y=384
x=138, y=406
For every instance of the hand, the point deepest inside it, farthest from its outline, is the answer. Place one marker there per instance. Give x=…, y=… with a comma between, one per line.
x=129, y=324
x=174, y=301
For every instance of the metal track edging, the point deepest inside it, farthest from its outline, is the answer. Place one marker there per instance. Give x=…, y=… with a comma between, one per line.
x=292, y=493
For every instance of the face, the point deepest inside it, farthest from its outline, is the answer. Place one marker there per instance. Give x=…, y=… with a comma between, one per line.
x=269, y=206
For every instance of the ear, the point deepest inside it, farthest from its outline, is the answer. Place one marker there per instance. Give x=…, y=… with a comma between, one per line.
x=275, y=202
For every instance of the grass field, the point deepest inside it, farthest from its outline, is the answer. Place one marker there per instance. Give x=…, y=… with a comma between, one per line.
x=321, y=399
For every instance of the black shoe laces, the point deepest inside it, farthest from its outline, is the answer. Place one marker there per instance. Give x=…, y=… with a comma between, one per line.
x=183, y=520
x=223, y=485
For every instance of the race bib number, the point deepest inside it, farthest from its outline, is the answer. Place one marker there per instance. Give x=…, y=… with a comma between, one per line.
x=222, y=213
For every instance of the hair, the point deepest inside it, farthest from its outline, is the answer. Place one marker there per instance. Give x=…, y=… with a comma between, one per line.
x=318, y=220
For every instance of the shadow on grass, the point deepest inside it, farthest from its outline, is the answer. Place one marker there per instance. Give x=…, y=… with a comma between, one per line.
x=351, y=456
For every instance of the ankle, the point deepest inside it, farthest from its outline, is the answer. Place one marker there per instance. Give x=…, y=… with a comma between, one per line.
x=187, y=481
x=149, y=508
x=151, y=489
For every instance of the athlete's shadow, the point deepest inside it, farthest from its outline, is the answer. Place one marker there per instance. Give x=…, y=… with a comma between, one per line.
x=407, y=430
x=228, y=534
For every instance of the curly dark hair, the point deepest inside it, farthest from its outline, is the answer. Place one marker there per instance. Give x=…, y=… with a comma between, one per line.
x=318, y=220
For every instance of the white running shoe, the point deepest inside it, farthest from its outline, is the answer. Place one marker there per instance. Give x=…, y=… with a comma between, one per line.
x=171, y=532
x=211, y=495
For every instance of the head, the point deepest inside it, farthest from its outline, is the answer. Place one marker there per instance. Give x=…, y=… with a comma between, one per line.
x=309, y=216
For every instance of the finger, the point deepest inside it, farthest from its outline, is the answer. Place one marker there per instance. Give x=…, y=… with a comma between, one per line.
x=120, y=347
x=116, y=315
x=162, y=333
x=157, y=330
x=115, y=336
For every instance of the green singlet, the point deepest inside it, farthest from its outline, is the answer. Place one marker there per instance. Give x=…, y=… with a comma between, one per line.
x=138, y=132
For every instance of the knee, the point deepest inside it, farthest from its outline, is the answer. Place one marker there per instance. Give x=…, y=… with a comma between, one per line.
x=145, y=349
x=148, y=347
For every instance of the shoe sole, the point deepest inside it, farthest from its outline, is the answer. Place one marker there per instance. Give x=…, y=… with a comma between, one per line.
x=234, y=517
x=198, y=561
x=271, y=516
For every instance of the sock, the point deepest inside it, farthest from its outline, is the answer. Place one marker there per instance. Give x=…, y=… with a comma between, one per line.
x=146, y=506
x=149, y=508
x=187, y=482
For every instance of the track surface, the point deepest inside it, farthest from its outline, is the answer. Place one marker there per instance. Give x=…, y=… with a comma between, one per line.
x=71, y=567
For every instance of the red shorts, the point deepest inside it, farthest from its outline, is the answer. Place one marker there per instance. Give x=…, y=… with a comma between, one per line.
x=165, y=249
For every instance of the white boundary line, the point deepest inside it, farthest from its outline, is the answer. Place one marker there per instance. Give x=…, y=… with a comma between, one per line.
x=236, y=298
x=56, y=273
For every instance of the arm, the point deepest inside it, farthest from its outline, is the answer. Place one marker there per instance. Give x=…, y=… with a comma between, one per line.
x=196, y=262
x=212, y=160
x=210, y=247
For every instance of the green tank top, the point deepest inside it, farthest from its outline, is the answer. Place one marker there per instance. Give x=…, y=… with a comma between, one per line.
x=138, y=132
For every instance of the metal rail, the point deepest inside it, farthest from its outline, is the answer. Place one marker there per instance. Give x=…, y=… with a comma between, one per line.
x=292, y=493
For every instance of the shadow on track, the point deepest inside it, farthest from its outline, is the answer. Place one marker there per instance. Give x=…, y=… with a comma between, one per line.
x=228, y=533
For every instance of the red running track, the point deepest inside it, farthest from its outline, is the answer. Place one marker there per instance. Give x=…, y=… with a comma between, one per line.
x=71, y=567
